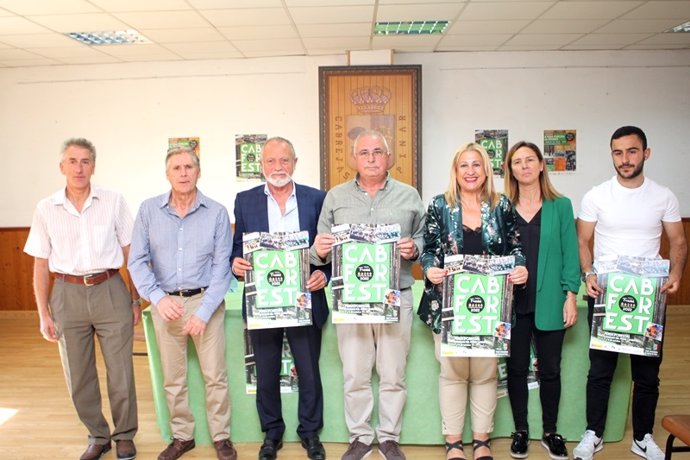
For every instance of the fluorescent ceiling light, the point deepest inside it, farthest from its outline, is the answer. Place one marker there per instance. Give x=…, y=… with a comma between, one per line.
x=109, y=37
x=685, y=27
x=410, y=27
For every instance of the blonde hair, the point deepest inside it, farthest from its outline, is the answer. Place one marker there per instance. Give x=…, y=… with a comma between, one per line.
x=511, y=186
x=488, y=190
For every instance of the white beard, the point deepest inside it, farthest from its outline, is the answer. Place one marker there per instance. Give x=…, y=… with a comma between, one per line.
x=276, y=182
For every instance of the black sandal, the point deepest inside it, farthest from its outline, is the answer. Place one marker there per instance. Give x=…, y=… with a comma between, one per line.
x=455, y=445
x=476, y=444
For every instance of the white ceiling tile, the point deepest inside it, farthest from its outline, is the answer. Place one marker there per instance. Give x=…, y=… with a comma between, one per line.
x=543, y=39
x=246, y=17
x=343, y=43
x=163, y=19
x=291, y=3
x=30, y=7
x=15, y=25
x=601, y=9
x=590, y=47
x=268, y=45
x=622, y=26
x=100, y=59
x=503, y=10
x=139, y=52
x=225, y=4
x=259, y=32
x=80, y=22
x=141, y=5
x=555, y=26
x=335, y=30
x=419, y=12
x=412, y=42
x=178, y=35
x=638, y=46
x=4, y=12
x=485, y=27
x=610, y=39
x=485, y=40
x=662, y=10
x=332, y=15
x=4, y=45
x=83, y=51
x=15, y=53
x=207, y=50
x=40, y=40
x=37, y=61
x=297, y=51
x=668, y=39
x=538, y=47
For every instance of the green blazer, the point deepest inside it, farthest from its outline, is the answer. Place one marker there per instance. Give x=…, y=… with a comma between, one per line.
x=558, y=267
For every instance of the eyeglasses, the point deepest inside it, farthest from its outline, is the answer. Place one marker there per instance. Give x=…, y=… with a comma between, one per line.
x=376, y=153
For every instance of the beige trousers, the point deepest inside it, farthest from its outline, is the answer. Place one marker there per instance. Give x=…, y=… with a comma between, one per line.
x=210, y=349
x=81, y=314
x=458, y=375
x=385, y=346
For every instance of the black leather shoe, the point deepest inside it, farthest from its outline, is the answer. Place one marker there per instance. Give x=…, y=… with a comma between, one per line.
x=314, y=448
x=269, y=449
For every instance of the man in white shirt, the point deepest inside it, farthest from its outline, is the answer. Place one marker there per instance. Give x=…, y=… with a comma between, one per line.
x=625, y=216
x=81, y=234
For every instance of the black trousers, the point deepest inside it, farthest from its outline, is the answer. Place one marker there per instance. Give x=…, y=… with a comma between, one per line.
x=645, y=376
x=548, y=349
x=305, y=344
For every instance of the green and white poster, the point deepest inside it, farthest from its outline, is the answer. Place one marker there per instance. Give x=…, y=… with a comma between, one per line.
x=275, y=288
x=248, y=156
x=629, y=316
x=477, y=306
x=288, y=371
x=366, y=271
x=495, y=142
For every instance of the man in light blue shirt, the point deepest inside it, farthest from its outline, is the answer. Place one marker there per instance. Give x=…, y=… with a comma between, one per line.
x=180, y=261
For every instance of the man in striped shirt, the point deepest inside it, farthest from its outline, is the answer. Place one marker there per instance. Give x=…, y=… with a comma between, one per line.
x=81, y=234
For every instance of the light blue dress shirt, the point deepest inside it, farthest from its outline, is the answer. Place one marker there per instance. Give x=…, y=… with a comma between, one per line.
x=278, y=222
x=168, y=253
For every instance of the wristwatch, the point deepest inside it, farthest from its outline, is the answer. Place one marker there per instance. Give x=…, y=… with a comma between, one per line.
x=587, y=274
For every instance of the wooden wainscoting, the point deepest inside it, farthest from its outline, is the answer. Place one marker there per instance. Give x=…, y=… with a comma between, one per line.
x=16, y=291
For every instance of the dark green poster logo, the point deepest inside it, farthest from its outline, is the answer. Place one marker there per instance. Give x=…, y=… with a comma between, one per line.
x=277, y=277
x=630, y=301
x=477, y=303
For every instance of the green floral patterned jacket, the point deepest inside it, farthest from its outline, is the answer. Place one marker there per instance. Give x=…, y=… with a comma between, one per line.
x=443, y=236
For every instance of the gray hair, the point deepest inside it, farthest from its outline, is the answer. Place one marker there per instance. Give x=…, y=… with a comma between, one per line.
x=280, y=140
x=370, y=133
x=79, y=142
x=180, y=150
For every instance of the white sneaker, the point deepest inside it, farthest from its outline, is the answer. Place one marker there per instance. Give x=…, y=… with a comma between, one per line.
x=647, y=448
x=589, y=445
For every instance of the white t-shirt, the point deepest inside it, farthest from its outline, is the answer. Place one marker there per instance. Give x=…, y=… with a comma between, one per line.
x=628, y=220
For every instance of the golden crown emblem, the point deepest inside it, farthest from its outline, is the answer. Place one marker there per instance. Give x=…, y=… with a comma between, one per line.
x=370, y=99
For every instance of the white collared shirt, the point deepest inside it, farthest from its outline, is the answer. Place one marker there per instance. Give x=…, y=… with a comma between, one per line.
x=81, y=243
x=278, y=222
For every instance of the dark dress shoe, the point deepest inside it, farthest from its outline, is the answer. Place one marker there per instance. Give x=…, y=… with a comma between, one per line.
x=269, y=449
x=176, y=449
x=314, y=448
x=225, y=450
x=95, y=451
x=125, y=449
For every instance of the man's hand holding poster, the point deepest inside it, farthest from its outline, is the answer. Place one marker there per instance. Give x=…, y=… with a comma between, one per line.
x=630, y=314
x=366, y=271
x=477, y=306
x=275, y=288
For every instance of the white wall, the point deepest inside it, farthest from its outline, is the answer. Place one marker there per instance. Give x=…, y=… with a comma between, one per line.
x=130, y=110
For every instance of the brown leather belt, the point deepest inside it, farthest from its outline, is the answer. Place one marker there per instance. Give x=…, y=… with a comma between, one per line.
x=88, y=280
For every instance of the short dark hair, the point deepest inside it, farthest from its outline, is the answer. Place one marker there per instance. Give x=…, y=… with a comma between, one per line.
x=629, y=131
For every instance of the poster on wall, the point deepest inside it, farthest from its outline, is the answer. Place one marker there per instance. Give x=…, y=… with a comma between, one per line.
x=275, y=288
x=560, y=150
x=191, y=143
x=630, y=314
x=288, y=372
x=247, y=156
x=366, y=273
x=477, y=306
x=495, y=142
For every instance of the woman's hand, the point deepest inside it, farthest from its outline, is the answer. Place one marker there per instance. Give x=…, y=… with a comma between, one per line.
x=518, y=275
x=436, y=275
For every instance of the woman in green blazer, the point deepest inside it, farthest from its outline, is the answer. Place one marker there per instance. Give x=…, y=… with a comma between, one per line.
x=547, y=306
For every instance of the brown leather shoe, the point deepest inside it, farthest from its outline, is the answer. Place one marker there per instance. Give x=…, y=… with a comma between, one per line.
x=125, y=449
x=225, y=450
x=176, y=449
x=95, y=451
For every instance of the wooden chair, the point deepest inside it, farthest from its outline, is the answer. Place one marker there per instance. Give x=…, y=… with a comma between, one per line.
x=679, y=427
